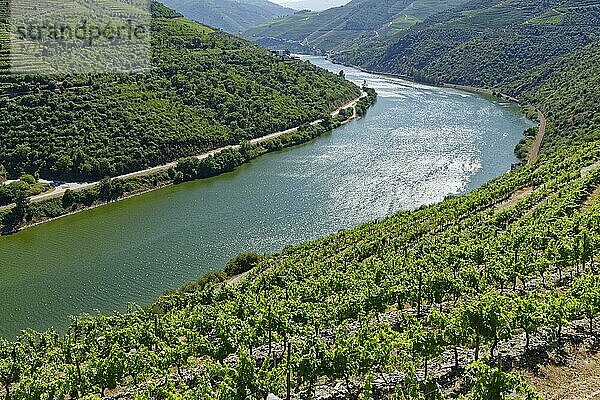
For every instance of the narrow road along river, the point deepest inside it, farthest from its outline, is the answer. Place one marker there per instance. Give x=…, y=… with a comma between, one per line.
x=416, y=145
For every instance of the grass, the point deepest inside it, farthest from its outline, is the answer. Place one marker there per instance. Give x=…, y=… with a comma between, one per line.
x=552, y=17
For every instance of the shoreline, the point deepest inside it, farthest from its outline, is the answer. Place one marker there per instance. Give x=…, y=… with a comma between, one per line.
x=77, y=186
x=534, y=150
x=149, y=172
x=464, y=88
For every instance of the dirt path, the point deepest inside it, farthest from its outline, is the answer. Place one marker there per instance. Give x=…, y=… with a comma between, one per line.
x=587, y=170
x=514, y=198
x=539, y=138
x=60, y=190
x=591, y=199
x=577, y=379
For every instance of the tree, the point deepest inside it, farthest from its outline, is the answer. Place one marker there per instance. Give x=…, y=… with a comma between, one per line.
x=18, y=213
x=243, y=262
x=3, y=174
x=68, y=198
x=105, y=189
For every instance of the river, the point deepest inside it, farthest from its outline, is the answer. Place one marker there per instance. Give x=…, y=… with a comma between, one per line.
x=417, y=145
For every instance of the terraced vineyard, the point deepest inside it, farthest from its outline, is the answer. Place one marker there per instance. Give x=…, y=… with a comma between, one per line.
x=337, y=28
x=379, y=309
x=437, y=302
x=447, y=301
x=499, y=39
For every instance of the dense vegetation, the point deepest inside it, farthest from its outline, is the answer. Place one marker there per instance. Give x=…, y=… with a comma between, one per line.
x=383, y=297
x=186, y=169
x=369, y=310
x=378, y=310
x=26, y=186
x=229, y=15
x=568, y=90
x=206, y=89
x=498, y=39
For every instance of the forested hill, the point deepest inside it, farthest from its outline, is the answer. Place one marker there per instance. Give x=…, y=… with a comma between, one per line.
x=206, y=89
x=337, y=28
x=542, y=52
x=512, y=46
x=500, y=40
x=230, y=15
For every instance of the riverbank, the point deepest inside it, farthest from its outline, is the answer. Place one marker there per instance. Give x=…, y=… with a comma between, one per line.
x=534, y=148
x=96, y=194
x=134, y=250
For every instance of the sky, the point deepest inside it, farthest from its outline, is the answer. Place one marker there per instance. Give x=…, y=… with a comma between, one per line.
x=315, y=5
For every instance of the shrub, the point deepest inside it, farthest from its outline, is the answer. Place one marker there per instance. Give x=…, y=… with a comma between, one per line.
x=200, y=284
x=243, y=262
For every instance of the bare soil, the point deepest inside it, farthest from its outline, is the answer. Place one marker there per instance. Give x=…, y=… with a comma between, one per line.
x=576, y=377
x=514, y=198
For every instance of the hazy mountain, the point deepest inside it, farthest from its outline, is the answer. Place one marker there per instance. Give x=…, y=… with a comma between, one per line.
x=313, y=5
x=230, y=15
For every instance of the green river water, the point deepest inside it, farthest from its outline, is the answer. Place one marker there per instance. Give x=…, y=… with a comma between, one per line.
x=416, y=145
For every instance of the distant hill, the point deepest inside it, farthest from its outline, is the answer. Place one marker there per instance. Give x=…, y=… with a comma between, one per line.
x=500, y=39
x=313, y=5
x=232, y=16
x=337, y=28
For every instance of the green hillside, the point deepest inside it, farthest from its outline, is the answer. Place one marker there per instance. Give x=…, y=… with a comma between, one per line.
x=230, y=15
x=496, y=275
x=336, y=28
x=452, y=300
x=498, y=39
x=206, y=89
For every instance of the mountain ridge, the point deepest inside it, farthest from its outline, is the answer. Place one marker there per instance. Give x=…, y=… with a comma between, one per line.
x=206, y=89
x=232, y=16
x=338, y=27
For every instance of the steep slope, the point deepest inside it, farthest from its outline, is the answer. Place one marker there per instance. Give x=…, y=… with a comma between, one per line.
x=206, y=89
x=568, y=89
x=230, y=15
x=4, y=37
x=498, y=39
x=336, y=28
x=442, y=302
x=445, y=301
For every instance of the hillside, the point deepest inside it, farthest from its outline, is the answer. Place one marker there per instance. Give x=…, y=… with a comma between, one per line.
x=337, y=28
x=452, y=299
x=498, y=39
x=206, y=89
x=230, y=15
x=476, y=297
x=390, y=309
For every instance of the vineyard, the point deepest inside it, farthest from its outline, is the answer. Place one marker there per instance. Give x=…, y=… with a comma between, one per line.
x=445, y=301
x=397, y=308
x=372, y=309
